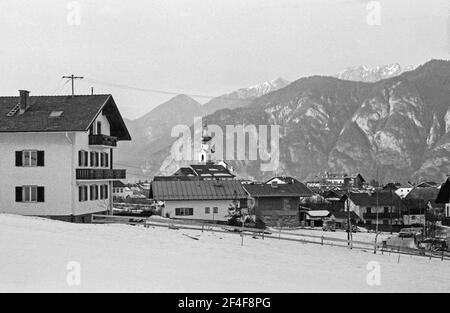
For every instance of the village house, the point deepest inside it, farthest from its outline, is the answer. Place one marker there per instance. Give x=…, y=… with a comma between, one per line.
x=337, y=180
x=444, y=197
x=121, y=191
x=378, y=207
x=316, y=218
x=57, y=155
x=203, y=200
x=277, y=201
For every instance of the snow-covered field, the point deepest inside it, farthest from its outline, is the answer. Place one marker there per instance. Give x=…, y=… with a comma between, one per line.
x=35, y=254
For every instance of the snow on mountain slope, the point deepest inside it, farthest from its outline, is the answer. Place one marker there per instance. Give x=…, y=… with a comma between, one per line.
x=36, y=252
x=243, y=96
x=373, y=74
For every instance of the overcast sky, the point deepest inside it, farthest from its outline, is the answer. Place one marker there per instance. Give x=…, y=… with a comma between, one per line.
x=206, y=47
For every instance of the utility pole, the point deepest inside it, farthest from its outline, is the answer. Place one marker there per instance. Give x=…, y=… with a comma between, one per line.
x=72, y=77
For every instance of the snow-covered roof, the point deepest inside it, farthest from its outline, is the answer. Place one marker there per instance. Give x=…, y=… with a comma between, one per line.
x=318, y=213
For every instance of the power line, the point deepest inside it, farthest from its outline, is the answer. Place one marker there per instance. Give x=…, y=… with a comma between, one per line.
x=165, y=92
x=72, y=78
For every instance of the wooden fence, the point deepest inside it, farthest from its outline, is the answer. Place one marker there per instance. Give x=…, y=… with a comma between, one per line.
x=378, y=247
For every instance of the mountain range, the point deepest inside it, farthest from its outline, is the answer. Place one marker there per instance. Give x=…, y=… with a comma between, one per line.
x=393, y=129
x=151, y=133
x=373, y=74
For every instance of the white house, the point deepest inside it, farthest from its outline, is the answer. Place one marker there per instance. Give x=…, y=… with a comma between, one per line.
x=402, y=192
x=444, y=197
x=120, y=190
x=205, y=200
x=57, y=155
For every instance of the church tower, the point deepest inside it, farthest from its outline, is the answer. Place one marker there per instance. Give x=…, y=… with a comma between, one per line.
x=206, y=151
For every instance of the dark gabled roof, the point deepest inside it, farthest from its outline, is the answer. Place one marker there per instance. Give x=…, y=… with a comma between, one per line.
x=297, y=189
x=184, y=171
x=444, y=193
x=211, y=171
x=381, y=198
x=78, y=114
x=118, y=184
x=344, y=215
x=197, y=190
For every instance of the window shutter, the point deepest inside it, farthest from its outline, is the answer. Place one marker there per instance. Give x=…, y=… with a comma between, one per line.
x=40, y=158
x=40, y=194
x=19, y=160
x=18, y=194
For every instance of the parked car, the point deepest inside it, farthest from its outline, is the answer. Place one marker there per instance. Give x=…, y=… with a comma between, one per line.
x=434, y=244
x=410, y=232
x=329, y=226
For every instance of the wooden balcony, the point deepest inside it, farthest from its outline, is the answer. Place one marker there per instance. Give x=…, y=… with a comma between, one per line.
x=102, y=140
x=100, y=174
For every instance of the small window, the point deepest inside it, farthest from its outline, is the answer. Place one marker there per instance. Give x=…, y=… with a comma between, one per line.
x=215, y=210
x=386, y=210
x=29, y=158
x=184, y=211
x=82, y=193
x=99, y=128
x=30, y=194
x=207, y=210
x=369, y=210
x=83, y=158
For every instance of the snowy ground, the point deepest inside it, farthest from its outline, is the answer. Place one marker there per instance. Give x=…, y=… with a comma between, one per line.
x=35, y=254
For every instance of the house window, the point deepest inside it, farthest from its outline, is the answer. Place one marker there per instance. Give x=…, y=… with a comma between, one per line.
x=386, y=210
x=184, y=211
x=93, y=190
x=83, y=158
x=99, y=128
x=207, y=210
x=30, y=194
x=94, y=159
x=215, y=210
x=104, y=192
x=82, y=193
x=30, y=158
x=369, y=210
x=106, y=160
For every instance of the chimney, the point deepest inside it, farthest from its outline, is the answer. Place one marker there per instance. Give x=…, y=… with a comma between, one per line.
x=24, y=102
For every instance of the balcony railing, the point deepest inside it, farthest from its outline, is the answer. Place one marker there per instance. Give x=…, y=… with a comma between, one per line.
x=100, y=174
x=102, y=140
